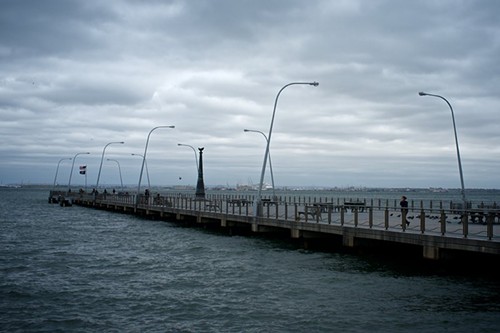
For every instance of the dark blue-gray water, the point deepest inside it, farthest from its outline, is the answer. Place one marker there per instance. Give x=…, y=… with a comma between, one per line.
x=73, y=269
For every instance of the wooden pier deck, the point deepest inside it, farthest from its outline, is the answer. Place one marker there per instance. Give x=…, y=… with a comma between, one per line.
x=438, y=232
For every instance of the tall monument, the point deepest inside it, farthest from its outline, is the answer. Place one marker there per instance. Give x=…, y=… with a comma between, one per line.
x=200, y=185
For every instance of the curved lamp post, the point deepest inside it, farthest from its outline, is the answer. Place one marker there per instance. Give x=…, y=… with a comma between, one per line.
x=456, y=144
x=57, y=170
x=119, y=170
x=195, y=157
x=258, y=201
x=72, y=166
x=144, y=158
x=102, y=159
x=147, y=170
x=270, y=164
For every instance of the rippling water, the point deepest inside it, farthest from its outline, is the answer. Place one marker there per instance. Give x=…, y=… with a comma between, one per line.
x=71, y=269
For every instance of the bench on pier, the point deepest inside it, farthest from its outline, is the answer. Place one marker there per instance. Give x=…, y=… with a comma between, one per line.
x=484, y=212
x=161, y=201
x=268, y=202
x=354, y=206
x=314, y=211
x=212, y=205
x=313, y=214
x=239, y=202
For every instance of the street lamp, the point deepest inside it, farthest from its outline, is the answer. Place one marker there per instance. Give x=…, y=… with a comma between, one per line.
x=456, y=144
x=258, y=201
x=147, y=170
x=57, y=170
x=72, y=166
x=102, y=159
x=195, y=157
x=144, y=158
x=119, y=170
x=270, y=164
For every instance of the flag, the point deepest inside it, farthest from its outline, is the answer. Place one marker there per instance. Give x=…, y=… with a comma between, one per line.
x=83, y=169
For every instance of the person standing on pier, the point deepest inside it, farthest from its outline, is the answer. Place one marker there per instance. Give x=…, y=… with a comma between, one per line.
x=404, y=210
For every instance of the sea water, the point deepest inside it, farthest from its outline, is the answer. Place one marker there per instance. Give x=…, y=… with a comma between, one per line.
x=75, y=269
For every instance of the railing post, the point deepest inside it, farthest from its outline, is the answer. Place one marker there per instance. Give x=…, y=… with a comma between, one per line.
x=422, y=220
x=342, y=215
x=403, y=219
x=489, y=225
x=442, y=220
x=465, y=223
x=295, y=213
x=370, y=216
x=386, y=218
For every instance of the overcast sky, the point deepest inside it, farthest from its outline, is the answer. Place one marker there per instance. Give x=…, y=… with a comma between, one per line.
x=77, y=75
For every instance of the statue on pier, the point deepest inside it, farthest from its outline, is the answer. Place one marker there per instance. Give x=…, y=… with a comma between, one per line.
x=200, y=185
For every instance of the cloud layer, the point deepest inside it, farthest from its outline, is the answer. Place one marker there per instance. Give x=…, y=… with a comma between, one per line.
x=76, y=75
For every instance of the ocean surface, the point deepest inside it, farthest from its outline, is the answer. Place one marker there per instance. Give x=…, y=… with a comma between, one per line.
x=74, y=269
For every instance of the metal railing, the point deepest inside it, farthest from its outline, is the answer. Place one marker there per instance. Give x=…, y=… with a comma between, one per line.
x=444, y=218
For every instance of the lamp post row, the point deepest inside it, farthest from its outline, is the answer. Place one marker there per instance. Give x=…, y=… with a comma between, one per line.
x=257, y=204
x=102, y=159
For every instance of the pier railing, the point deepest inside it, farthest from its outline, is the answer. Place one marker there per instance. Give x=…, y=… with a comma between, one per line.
x=425, y=217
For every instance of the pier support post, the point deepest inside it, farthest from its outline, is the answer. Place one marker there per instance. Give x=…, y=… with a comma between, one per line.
x=431, y=252
x=348, y=241
x=295, y=233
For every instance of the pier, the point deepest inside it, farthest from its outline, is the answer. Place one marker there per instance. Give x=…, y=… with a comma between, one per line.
x=437, y=229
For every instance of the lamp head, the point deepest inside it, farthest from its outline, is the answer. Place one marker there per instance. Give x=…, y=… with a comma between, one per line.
x=245, y=130
x=314, y=84
x=422, y=94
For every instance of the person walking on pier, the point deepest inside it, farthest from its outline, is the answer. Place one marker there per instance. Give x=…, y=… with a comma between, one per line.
x=404, y=210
